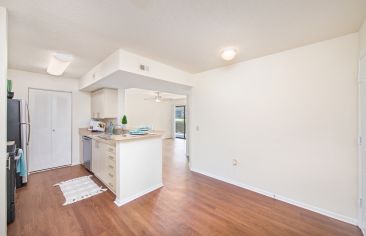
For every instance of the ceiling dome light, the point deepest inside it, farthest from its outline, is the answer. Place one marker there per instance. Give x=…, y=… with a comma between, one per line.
x=228, y=54
x=58, y=63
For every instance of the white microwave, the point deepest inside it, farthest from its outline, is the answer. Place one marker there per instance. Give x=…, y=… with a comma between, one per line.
x=96, y=126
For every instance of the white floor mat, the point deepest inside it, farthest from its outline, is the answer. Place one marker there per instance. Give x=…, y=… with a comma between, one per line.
x=78, y=189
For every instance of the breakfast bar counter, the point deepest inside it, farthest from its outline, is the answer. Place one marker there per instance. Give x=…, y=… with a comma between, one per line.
x=129, y=165
x=112, y=139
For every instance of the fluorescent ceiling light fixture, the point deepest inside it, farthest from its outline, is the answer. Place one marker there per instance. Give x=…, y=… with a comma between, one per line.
x=228, y=54
x=58, y=63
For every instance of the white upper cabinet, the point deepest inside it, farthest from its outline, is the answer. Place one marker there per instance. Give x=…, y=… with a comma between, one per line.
x=104, y=104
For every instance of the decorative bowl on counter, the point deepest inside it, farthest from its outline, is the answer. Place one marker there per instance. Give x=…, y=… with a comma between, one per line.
x=118, y=130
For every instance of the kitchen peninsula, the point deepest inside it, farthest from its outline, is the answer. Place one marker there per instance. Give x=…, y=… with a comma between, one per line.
x=129, y=165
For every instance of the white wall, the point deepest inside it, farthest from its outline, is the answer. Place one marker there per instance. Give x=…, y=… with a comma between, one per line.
x=290, y=119
x=23, y=80
x=363, y=38
x=3, y=117
x=141, y=112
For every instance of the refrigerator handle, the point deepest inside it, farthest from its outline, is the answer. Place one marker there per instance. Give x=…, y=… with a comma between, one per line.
x=29, y=124
x=8, y=159
x=28, y=134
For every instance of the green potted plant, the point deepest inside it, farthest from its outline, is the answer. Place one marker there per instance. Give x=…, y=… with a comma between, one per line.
x=9, y=89
x=124, y=121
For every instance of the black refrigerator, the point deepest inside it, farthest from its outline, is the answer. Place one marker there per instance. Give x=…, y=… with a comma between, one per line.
x=10, y=181
x=18, y=127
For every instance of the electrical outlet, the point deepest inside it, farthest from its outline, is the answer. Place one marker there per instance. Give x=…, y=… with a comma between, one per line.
x=235, y=162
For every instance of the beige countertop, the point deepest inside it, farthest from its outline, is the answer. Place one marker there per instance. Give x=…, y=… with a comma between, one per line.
x=113, y=139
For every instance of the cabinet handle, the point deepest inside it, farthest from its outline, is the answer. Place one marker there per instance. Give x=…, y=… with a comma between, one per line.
x=110, y=175
x=110, y=149
x=111, y=157
x=110, y=184
x=110, y=166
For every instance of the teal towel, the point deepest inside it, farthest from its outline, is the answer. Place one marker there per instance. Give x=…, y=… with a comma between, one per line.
x=21, y=166
x=137, y=132
x=144, y=128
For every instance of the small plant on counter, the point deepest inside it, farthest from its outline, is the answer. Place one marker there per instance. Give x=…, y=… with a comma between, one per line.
x=124, y=121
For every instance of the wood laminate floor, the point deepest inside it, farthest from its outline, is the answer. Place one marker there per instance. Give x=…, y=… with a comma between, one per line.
x=188, y=204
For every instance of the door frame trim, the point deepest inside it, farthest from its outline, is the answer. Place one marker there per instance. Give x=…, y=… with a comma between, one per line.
x=71, y=126
x=359, y=144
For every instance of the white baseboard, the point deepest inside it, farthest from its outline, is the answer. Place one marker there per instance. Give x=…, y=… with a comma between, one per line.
x=281, y=198
x=120, y=202
x=75, y=163
x=362, y=230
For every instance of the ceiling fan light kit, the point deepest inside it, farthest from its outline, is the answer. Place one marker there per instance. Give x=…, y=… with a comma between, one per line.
x=157, y=98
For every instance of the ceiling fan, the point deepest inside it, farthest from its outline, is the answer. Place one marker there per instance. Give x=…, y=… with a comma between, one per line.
x=158, y=98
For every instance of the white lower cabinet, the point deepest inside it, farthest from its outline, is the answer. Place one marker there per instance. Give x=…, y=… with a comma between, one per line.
x=104, y=163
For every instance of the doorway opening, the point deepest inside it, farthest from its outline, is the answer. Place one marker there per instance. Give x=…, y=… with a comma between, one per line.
x=164, y=112
x=180, y=122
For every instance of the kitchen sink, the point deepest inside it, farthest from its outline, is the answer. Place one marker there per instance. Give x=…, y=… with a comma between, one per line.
x=105, y=136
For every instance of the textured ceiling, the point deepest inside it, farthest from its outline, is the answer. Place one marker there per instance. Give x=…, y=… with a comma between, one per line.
x=187, y=34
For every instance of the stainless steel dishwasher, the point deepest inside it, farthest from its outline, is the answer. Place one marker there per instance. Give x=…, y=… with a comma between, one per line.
x=87, y=152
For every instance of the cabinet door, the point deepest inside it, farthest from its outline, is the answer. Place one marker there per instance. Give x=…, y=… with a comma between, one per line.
x=97, y=104
x=94, y=156
x=103, y=169
x=110, y=103
x=93, y=106
x=104, y=103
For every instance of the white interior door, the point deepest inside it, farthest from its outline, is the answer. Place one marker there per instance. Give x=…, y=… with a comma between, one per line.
x=50, y=137
x=40, y=143
x=362, y=150
x=61, y=128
